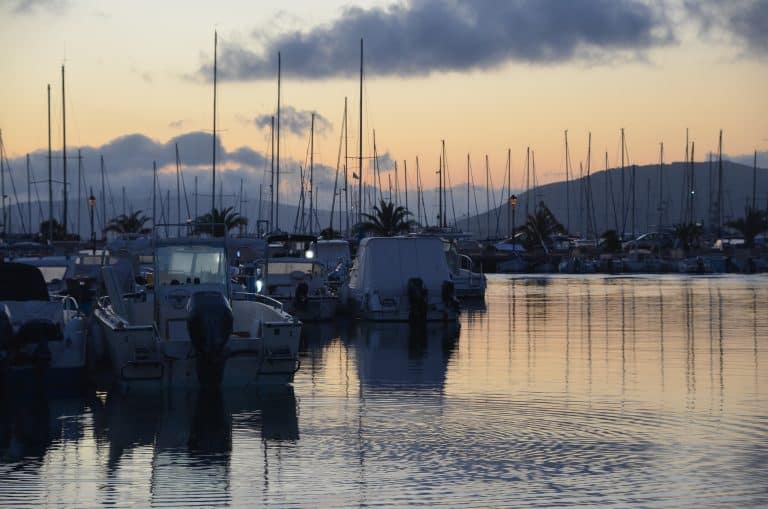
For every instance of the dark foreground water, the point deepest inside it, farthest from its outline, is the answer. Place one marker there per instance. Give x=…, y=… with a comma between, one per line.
x=592, y=391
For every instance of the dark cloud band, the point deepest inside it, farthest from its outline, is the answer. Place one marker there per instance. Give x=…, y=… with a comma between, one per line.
x=426, y=36
x=295, y=121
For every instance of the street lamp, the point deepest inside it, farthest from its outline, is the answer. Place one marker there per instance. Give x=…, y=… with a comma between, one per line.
x=91, y=205
x=513, y=204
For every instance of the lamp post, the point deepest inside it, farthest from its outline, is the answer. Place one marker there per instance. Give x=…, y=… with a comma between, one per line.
x=91, y=205
x=513, y=204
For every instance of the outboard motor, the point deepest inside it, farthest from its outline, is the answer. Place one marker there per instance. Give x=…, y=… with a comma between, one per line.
x=38, y=332
x=301, y=298
x=417, y=300
x=209, y=323
x=449, y=295
x=6, y=334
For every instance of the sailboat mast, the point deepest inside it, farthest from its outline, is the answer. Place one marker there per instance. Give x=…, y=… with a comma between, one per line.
x=2, y=195
x=469, y=181
x=405, y=182
x=79, y=190
x=154, y=195
x=567, y=185
x=510, y=226
x=487, y=199
x=360, y=144
x=272, y=175
x=311, y=172
x=754, y=183
x=178, y=193
x=661, y=186
x=346, y=171
x=29, y=195
x=590, y=214
x=213, y=140
x=64, y=150
x=50, y=174
x=418, y=191
x=440, y=191
x=720, y=186
x=527, y=179
x=104, y=201
x=623, y=204
x=692, y=191
x=277, y=162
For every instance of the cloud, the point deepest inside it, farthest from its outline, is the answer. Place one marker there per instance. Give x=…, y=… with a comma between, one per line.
x=176, y=124
x=744, y=21
x=35, y=6
x=421, y=37
x=295, y=121
x=384, y=162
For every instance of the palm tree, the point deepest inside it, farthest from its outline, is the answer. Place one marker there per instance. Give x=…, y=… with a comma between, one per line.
x=387, y=220
x=611, y=242
x=52, y=227
x=330, y=233
x=219, y=222
x=539, y=228
x=128, y=223
x=751, y=225
x=688, y=234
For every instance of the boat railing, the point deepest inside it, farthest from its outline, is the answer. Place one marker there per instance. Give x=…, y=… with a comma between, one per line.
x=257, y=297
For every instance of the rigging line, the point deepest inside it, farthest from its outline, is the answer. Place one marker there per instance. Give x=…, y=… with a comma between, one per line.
x=13, y=186
x=183, y=184
x=474, y=193
x=450, y=186
x=109, y=192
x=501, y=200
x=338, y=165
x=421, y=192
x=37, y=191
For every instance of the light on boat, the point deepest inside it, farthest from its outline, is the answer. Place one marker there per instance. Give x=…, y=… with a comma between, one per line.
x=309, y=254
x=259, y=285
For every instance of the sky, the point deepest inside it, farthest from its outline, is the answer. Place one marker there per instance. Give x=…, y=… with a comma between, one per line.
x=485, y=76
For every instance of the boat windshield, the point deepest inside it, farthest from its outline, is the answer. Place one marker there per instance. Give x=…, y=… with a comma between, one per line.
x=193, y=264
x=311, y=268
x=51, y=272
x=451, y=255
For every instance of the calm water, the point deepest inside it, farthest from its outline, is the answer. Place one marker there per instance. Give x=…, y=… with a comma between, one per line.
x=594, y=391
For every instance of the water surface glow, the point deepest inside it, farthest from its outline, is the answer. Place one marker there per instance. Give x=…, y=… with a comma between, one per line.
x=557, y=391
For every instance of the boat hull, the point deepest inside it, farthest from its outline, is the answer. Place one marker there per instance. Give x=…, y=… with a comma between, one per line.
x=140, y=359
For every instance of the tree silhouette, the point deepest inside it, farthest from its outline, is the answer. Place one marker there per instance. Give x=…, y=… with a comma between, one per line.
x=387, y=220
x=539, y=228
x=128, y=223
x=750, y=226
x=219, y=222
x=611, y=242
x=687, y=234
x=57, y=230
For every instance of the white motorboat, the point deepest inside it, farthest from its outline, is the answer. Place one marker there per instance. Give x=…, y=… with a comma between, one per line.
x=42, y=338
x=300, y=285
x=467, y=284
x=188, y=328
x=402, y=279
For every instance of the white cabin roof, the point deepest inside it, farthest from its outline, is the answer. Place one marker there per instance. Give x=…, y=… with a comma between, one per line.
x=385, y=264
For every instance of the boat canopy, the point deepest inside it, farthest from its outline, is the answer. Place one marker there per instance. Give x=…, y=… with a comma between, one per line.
x=385, y=264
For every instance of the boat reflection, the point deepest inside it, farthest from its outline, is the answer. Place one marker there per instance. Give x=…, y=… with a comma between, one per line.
x=396, y=353
x=31, y=423
x=187, y=438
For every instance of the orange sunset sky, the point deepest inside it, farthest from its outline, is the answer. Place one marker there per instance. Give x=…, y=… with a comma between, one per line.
x=484, y=76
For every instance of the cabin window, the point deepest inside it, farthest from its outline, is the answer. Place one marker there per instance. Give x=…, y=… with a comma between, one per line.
x=191, y=264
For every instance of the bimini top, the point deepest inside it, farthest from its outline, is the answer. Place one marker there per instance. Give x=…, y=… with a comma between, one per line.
x=385, y=264
x=19, y=281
